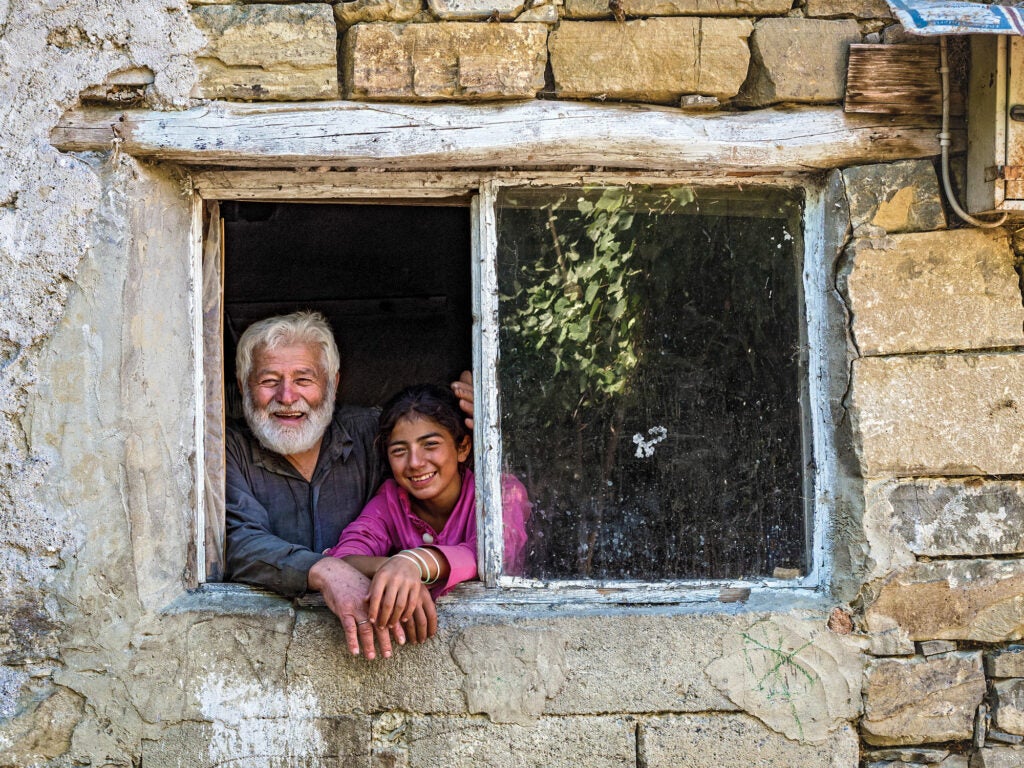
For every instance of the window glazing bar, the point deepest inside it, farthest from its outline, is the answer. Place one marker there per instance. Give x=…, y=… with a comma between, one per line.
x=487, y=432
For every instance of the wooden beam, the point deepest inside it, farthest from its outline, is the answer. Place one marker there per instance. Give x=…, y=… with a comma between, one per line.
x=533, y=134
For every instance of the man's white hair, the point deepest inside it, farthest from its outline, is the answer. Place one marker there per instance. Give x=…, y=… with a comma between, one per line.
x=310, y=328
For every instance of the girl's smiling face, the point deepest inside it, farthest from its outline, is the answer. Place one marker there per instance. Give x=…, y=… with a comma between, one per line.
x=425, y=461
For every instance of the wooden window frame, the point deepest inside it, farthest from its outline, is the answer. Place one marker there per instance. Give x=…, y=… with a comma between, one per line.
x=482, y=188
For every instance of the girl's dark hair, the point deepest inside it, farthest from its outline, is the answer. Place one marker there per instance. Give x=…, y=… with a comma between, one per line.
x=426, y=400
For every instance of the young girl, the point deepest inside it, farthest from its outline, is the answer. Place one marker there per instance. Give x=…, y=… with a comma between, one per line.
x=420, y=528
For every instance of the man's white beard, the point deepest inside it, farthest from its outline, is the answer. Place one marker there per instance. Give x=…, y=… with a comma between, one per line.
x=281, y=438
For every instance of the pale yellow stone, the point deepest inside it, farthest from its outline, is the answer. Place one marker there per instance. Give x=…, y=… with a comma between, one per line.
x=977, y=600
x=940, y=414
x=932, y=291
x=357, y=11
x=798, y=60
x=448, y=60
x=1009, y=709
x=656, y=60
x=857, y=9
x=598, y=9
x=267, y=52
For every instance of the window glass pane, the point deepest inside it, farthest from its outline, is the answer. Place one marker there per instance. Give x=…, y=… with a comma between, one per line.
x=650, y=376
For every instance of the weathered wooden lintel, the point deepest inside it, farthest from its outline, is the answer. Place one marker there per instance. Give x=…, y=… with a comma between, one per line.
x=534, y=134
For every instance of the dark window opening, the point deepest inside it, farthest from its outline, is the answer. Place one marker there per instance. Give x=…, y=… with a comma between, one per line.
x=393, y=280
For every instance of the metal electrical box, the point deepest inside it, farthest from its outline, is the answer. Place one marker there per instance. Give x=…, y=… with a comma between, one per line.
x=995, y=125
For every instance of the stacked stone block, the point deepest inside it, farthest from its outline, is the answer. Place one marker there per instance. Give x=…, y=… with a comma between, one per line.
x=692, y=53
x=937, y=320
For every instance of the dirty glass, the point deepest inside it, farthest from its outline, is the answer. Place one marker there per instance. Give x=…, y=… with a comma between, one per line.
x=650, y=373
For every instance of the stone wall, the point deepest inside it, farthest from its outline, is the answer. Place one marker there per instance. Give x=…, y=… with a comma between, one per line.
x=106, y=658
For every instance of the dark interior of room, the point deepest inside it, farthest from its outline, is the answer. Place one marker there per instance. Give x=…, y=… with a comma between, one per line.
x=393, y=280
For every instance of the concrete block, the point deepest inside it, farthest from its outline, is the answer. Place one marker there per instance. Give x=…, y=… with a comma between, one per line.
x=939, y=414
x=934, y=291
x=605, y=668
x=798, y=60
x=657, y=60
x=857, y=9
x=510, y=675
x=1009, y=709
x=1007, y=662
x=949, y=518
x=454, y=61
x=266, y=52
x=324, y=742
x=979, y=600
x=598, y=9
x=894, y=197
x=560, y=742
x=917, y=701
x=817, y=673
x=737, y=741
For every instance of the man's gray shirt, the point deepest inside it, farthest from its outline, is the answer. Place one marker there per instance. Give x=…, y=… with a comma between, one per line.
x=278, y=524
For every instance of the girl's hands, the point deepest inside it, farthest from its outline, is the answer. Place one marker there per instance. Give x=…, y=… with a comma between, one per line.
x=395, y=594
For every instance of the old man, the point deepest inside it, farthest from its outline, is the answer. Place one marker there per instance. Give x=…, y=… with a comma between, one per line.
x=302, y=471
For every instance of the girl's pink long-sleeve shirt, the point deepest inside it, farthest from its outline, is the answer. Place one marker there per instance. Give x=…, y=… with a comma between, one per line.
x=388, y=525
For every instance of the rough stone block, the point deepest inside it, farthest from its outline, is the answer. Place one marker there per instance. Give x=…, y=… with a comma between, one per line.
x=657, y=60
x=949, y=518
x=934, y=291
x=1009, y=709
x=737, y=741
x=906, y=755
x=939, y=414
x=349, y=12
x=981, y=600
x=798, y=60
x=444, y=61
x=917, y=701
x=894, y=197
x=857, y=9
x=598, y=9
x=543, y=13
x=890, y=642
x=998, y=757
x=264, y=52
x=465, y=10
x=935, y=647
x=1008, y=662
x=561, y=742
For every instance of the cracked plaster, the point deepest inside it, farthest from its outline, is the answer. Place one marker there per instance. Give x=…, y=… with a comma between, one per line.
x=49, y=53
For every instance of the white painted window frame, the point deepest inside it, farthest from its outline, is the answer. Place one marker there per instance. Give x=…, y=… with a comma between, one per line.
x=483, y=188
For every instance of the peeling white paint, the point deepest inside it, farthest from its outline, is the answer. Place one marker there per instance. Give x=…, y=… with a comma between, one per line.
x=251, y=720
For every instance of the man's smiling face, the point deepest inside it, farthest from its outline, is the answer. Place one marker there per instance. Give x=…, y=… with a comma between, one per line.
x=289, y=399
